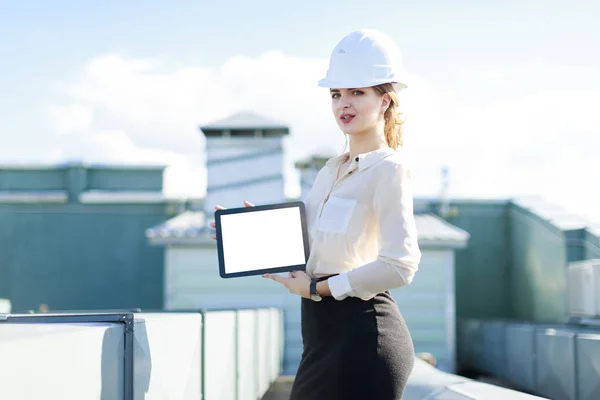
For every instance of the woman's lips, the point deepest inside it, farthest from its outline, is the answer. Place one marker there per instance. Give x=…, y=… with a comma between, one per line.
x=347, y=118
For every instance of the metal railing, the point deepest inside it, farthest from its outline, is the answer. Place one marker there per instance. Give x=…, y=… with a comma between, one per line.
x=225, y=354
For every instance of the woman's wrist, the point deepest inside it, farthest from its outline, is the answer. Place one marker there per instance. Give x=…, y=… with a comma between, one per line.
x=323, y=289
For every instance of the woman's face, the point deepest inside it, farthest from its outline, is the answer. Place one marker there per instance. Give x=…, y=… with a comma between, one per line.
x=358, y=110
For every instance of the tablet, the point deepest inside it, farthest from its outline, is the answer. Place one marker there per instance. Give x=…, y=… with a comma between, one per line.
x=262, y=239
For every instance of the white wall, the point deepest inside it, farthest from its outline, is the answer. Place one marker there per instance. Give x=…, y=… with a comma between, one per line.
x=427, y=305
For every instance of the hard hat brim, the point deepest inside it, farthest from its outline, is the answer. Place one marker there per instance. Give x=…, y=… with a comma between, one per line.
x=347, y=85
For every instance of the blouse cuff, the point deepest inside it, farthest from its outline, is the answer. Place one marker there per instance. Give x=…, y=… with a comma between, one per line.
x=340, y=287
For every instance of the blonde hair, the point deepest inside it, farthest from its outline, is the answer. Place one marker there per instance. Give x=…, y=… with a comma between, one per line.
x=393, y=123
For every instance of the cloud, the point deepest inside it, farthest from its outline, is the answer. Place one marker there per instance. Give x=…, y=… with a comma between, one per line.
x=70, y=118
x=509, y=133
x=504, y=131
x=139, y=111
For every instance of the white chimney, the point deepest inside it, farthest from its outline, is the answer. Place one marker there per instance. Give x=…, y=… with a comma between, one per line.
x=444, y=208
x=244, y=161
x=308, y=172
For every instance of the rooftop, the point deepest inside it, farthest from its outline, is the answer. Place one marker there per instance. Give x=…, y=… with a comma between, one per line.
x=244, y=120
x=192, y=227
x=551, y=213
x=433, y=230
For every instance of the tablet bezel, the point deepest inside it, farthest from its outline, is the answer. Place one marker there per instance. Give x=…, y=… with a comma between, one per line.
x=292, y=204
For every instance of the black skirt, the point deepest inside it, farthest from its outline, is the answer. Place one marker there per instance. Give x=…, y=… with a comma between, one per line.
x=353, y=349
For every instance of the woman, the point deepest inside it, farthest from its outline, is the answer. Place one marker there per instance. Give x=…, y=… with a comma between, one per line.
x=363, y=240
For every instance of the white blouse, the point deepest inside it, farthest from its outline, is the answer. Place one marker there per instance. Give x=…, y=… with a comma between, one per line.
x=362, y=227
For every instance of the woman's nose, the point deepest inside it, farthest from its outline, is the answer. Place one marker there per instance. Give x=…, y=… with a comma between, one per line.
x=345, y=103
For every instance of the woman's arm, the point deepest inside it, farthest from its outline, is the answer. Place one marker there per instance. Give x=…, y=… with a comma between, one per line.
x=399, y=253
x=323, y=288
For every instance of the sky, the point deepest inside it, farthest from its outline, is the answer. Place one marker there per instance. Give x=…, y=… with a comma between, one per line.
x=502, y=93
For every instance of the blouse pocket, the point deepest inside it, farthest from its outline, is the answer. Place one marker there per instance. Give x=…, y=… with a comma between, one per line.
x=336, y=215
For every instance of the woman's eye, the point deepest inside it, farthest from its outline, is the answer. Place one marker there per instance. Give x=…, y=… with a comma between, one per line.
x=335, y=95
x=357, y=92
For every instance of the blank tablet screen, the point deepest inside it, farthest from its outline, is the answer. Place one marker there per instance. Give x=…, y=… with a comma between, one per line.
x=254, y=240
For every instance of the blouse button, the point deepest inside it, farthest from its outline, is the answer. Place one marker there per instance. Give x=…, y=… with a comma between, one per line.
x=356, y=159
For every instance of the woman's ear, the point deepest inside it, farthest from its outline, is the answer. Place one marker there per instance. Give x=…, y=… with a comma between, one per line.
x=386, y=100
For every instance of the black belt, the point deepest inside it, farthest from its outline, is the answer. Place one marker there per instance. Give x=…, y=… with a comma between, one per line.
x=324, y=278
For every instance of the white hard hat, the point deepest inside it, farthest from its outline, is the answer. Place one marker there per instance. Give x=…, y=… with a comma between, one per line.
x=365, y=58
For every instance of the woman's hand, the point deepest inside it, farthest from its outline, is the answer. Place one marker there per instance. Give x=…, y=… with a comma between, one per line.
x=217, y=207
x=297, y=282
